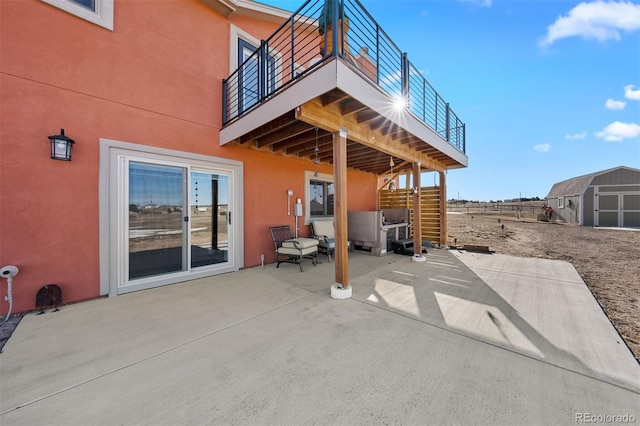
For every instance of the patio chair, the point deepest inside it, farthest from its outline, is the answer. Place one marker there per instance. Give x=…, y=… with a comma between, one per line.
x=323, y=231
x=292, y=250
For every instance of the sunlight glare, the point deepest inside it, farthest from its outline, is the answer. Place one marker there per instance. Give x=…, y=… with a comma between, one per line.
x=399, y=104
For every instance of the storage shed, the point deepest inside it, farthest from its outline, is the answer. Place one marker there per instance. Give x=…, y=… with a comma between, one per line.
x=608, y=198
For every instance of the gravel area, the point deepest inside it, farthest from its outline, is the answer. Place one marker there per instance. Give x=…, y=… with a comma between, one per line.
x=7, y=328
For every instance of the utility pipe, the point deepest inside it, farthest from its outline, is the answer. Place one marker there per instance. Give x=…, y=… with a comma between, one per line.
x=9, y=272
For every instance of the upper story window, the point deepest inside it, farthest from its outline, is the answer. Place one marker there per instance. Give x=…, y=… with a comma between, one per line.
x=100, y=12
x=89, y=4
x=249, y=75
x=249, y=82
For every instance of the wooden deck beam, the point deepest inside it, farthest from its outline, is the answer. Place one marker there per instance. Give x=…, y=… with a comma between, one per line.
x=330, y=119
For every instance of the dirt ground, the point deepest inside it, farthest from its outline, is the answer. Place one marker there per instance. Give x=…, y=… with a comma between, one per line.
x=608, y=260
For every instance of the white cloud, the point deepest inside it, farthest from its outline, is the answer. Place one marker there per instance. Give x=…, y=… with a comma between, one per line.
x=629, y=93
x=611, y=104
x=617, y=131
x=597, y=20
x=576, y=136
x=542, y=147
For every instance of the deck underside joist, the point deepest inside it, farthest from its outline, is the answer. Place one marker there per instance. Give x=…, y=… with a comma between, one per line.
x=372, y=139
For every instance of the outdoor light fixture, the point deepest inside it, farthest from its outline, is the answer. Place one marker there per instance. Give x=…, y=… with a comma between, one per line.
x=61, y=146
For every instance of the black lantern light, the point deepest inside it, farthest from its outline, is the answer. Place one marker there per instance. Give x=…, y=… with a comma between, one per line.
x=61, y=146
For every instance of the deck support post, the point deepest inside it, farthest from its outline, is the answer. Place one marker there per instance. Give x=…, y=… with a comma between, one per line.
x=341, y=289
x=417, y=215
x=443, y=208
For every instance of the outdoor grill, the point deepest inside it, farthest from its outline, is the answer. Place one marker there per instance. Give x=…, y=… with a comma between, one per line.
x=375, y=231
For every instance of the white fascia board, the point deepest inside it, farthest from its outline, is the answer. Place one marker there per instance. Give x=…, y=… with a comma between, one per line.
x=247, y=8
x=225, y=7
x=309, y=87
x=261, y=11
x=353, y=84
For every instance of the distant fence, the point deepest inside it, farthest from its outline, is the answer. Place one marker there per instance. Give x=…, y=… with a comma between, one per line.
x=524, y=207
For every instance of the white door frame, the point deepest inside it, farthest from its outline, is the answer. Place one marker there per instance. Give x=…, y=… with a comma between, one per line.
x=112, y=234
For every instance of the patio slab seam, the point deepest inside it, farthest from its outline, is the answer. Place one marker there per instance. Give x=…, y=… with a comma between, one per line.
x=157, y=354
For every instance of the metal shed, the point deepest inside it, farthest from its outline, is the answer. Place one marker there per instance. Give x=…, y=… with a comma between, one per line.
x=608, y=198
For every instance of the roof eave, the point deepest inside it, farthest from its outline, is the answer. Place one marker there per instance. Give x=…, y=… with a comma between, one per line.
x=249, y=9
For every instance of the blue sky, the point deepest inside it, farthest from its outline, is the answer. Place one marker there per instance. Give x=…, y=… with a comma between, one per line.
x=548, y=90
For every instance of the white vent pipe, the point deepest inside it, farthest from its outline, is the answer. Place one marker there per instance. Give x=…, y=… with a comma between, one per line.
x=9, y=272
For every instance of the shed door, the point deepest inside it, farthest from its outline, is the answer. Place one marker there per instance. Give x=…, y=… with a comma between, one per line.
x=608, y=210
x=631, y=210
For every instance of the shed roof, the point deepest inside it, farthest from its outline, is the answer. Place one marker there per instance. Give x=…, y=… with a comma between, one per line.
x=578, y=185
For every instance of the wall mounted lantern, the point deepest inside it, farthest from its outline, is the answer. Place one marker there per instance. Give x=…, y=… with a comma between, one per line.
x=61, y=146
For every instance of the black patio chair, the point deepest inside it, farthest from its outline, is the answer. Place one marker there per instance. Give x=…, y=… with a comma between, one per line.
x=292, y=250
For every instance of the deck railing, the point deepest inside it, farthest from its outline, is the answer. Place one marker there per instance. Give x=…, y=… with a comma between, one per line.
x=308, y=38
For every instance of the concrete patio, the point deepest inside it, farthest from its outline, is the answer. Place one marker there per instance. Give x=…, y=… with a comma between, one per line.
x=463, y=338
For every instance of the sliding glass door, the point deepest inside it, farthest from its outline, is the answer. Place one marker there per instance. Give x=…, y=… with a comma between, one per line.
x=157, y=237
x=177, y=218
x=210, y=217
x=167, y=216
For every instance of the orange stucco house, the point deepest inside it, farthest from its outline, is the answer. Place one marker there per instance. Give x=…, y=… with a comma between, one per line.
x=193, y=121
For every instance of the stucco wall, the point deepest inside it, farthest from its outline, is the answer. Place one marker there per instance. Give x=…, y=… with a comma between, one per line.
x=267, y=179
x=155, y=80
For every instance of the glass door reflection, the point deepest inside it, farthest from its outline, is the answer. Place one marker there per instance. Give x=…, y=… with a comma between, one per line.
x=210, y=218
x=156, y=227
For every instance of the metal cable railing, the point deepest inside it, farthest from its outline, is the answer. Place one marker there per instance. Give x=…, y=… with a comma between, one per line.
x=307, y=39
